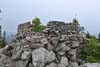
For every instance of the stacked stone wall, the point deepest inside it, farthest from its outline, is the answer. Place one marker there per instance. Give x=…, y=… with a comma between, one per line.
x=49, y=48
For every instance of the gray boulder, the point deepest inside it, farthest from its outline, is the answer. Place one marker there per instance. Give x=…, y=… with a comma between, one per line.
x=50, y=56
x=62, y=47
x=50, y=47
x=44, y=41
x=37, y=45
x=21, y=63
x=64, y=38
x=63, y=62
x=72, y=52
x=91, y=65
x=41, y=56
x=28, y=38
x=36, y=39
x=52, y=65
x=26, y=55
x=61, y=53
x=38, y=57
x=17, y=56
x=55, y=40
x=6, y=61
x=73, y=64
x=75, y=44
x=2, y=65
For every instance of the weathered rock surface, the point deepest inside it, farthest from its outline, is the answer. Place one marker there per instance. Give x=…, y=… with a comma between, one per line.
x=52, y=65
x=26, y=55
x=56, y=46
x=42, y=56
x=91, y=65
x=63, y=62
x=39, y=56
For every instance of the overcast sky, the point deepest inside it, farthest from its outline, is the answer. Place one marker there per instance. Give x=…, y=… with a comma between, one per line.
x=15, y=12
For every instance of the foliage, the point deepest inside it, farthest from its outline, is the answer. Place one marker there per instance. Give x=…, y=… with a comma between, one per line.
x=92, y=52
x=99, y=37
x=0, y=32
x=81, y=29
x=37, y=25
x=75, y=21
x=88, y=35
x=0, y=11
x=2, y=39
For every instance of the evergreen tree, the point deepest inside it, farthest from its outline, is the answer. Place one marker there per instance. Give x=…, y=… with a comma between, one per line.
x=93, y=37
x=91, y=53
x=75, y=21
x=99, y=37
x=0, y=36
x=81, y=29
x=4, y=38
x=88, y=35
x=0, y=32
x=37, y=25
x=0, y=11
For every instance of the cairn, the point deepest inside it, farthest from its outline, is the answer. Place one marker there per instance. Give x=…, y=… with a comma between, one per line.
x=58, y=45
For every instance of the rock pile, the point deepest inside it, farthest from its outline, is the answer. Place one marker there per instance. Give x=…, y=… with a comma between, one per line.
x=49, y=48
x=62, y=27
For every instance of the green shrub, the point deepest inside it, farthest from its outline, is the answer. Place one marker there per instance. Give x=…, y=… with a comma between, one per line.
x=92, y=52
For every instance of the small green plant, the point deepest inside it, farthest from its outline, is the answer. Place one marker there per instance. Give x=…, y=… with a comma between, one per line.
x=37, y=26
